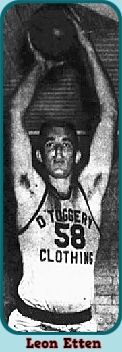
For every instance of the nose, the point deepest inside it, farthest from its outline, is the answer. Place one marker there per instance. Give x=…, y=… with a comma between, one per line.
x=58, y=151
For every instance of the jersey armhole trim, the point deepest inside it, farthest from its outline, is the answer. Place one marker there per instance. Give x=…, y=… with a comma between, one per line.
x=87, y=203
x=23, y=229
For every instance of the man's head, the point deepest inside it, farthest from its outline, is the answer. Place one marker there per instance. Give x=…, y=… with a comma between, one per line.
x=59, y=148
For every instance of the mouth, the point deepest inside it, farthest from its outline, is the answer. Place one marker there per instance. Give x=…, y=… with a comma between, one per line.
x=59, y=162
x=59, y=166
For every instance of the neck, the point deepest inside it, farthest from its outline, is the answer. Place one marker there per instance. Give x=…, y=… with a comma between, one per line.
x=61, y=184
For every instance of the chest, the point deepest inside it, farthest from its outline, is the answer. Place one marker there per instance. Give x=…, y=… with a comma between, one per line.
x=69, y=228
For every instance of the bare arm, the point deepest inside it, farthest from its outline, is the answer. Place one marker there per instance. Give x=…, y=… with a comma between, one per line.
x=101, y=150
x=95, y=176
x=21, y=150
x=20, y=143
x=27, y=182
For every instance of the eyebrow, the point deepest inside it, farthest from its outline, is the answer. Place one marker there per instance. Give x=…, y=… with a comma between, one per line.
x=69, y=139
x=49, y=139
x=64, y=139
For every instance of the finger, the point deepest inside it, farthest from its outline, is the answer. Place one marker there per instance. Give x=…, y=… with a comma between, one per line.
x=75, y=15
x=38, y=56
x=77, y=22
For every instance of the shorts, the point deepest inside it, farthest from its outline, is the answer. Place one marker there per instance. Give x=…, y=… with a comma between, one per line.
x=21, y=323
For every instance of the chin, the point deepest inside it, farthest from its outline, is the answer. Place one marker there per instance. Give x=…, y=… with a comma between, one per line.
x=59, y=175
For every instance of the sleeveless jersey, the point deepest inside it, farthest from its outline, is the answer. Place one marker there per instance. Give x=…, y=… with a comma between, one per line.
x=58, y=250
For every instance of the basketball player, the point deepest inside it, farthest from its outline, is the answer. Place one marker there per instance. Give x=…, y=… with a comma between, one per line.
x=58, y=219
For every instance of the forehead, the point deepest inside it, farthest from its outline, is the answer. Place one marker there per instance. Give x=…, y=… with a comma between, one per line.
x=59, y=132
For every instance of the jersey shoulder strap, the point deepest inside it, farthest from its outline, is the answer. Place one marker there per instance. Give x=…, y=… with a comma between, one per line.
x=87, y=203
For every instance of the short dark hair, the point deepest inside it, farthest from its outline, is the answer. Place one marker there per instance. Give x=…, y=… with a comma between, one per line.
x=68, y=126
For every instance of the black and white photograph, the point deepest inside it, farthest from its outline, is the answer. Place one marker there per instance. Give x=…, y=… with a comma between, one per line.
x=61, y=226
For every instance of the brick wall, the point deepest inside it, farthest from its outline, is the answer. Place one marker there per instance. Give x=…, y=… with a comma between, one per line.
x=106, y=271
x=106, y=296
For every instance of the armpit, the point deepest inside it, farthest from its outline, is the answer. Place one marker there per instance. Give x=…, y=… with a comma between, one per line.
x=24, y=181
x=97, y=179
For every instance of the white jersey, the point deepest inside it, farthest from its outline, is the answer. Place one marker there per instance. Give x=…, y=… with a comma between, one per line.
x=58, y=250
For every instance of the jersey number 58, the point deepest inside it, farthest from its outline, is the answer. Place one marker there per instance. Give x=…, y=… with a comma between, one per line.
x=77, y=235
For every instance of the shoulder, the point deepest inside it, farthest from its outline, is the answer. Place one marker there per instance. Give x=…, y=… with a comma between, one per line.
x=28, y=200
x=30, y=188
x=91, y=193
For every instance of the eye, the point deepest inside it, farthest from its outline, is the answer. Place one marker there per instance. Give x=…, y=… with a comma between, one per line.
x=49, y=145
x=67, y=145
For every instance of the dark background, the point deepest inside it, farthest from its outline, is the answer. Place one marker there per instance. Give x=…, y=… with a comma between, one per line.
x=104, y=33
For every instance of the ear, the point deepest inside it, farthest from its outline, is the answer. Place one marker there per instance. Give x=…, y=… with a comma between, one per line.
x=38, y=156
x=78, y=157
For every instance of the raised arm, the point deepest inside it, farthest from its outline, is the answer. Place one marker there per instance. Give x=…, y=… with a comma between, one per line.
x=21, y=150
x=94, y=177
x=21, y=158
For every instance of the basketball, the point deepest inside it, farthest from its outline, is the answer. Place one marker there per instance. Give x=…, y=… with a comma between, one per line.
x=53, y=34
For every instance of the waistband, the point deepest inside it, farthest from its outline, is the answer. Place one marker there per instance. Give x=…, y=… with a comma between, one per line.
x=53, y=317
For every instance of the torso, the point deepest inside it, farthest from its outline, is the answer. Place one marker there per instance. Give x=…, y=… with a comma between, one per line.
x=58, y=252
